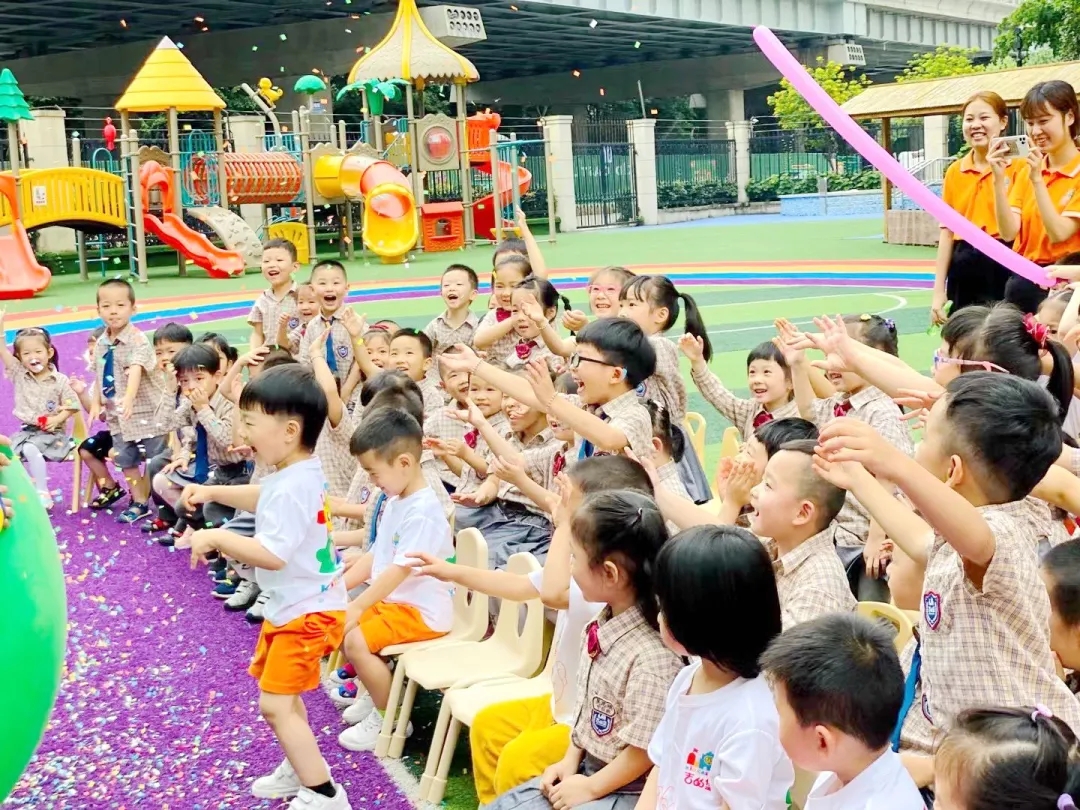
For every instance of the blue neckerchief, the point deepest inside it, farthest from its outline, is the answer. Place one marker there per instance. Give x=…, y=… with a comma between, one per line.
x=331, y=355
x=202, y=454
x=374, y=527
x=910, y=684
x=108, y=374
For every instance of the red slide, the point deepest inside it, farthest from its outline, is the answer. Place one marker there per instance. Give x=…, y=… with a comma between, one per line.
x=170, y=228
x=484, y=208
x=20, y=274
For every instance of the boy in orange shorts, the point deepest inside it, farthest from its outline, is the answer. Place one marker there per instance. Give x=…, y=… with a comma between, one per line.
x=282, y=412
x=398, y=605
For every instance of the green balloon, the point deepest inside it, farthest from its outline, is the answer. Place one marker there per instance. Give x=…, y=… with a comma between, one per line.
x=33, y=631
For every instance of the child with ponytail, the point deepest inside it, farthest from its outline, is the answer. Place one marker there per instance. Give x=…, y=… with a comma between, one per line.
x=534, y=305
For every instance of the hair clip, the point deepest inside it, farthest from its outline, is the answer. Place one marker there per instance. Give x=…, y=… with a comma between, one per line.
x=1037, y=330
x=890, y=324
x=864, y=317
x=1041, y=711
x=1065, y=802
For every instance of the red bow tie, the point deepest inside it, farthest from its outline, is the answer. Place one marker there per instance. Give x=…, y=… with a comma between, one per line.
x=762, y=418
x=558, y=463
x=842, y=408
x=524, y=349
x=471, y=437
x=593, y=640
x=501, y=314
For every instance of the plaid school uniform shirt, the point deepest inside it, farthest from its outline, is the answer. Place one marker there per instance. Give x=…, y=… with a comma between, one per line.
x=339, y=335
x=216, y=419
x=622, y=684
x=443, y=335
x=539, y=459
x=434, y=396
x=470, y=480
x=525, y=351
x=37, y=397
x=917, y=732
x=152, y=411
x=810, y=579
x=439, y=424
x=267, y=311
x=745, y=414
x=666, y=385
x=338, y=464
x=876, y=408
x=989, y=645
x=624, y=412
x=504, y=346
x=670, y=480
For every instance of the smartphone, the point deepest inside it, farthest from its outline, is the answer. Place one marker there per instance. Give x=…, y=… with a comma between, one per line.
x=1016, y=145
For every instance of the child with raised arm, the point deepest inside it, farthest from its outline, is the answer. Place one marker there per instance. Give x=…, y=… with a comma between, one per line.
x=985, y=613
x=282, y=413
x=331, y=285
x=398, y=606
x=495, y=332
x=278, y=265
x=291, y=328
x=534, y=304
x=838, y=688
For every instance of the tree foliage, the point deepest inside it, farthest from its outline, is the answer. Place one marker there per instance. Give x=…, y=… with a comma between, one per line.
x=1037, y=26
x=945, y=61
x=792, y=111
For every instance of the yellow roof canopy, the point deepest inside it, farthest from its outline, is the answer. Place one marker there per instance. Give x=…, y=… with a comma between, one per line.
x=167, y=79
x=410, y=52
x=943, y=96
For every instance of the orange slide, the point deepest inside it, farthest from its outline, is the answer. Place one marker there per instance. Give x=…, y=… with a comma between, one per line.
x=170, y=228
x=484, y=208
x=20, y=274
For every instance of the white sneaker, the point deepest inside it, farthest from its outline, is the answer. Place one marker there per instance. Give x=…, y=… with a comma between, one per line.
x=359, y=710
x=244, y=597
x=348, y=693
x=281, y=784
x=308, y=799
x=364, y=735
x=255, y=613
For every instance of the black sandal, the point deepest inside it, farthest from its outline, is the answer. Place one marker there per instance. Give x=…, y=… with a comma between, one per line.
x=107, y=498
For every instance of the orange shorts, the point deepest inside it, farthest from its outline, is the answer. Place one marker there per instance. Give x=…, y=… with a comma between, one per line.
x=288, y=659
x=387, y=623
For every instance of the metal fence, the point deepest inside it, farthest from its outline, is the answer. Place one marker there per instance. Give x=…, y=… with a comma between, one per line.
x=691, y=172
x=811, y=152
x=604, y=183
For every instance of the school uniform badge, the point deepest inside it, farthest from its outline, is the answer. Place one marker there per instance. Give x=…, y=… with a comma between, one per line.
x=603, y=717
x=932, y=609
x=365, y=493
x=342, y=351
x=50, y=406
x=294, y=322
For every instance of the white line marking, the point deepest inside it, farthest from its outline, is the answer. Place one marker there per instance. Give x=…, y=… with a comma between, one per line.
x=807, y=298
x=900, y=303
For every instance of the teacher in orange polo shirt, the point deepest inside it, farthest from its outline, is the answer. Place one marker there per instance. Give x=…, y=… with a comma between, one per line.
x=1041, y=210
x=964, y=275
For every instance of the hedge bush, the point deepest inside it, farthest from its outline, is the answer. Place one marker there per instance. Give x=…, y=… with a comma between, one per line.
x=680, y=194
x=778, y=185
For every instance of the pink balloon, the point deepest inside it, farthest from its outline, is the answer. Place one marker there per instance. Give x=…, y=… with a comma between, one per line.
x=870, y=149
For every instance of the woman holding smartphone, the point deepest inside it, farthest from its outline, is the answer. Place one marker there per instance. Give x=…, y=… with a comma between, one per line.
x=1041, y=209
x=963, y=274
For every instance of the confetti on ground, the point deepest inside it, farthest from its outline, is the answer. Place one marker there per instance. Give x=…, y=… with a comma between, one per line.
x=156, y=708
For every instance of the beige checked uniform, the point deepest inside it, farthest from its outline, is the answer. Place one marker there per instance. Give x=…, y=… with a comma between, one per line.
x=672, y=482
x=538, y=452
x=469, y=478
x=217, y=419
x=918, y=733
x=627, y=414
x=439, y=424
x=810, y=579
x=740, y=412
x=537, y=350
x=543, y=464
x=332, y=449
x=443, y=335
x=152, y=410
x=876, y=408
x=434, y=396
x=44, y=396
x=990, y=646
x=504, y=346
x=267, y=311
x=621, y=691
x=343, y=348
x=666, y=385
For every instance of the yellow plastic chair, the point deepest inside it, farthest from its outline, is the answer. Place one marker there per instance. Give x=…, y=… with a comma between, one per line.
x=694, y=423
x=79, y=433
x=883, y=613
x=729, y=448
x=470, y=625
x=508, y=651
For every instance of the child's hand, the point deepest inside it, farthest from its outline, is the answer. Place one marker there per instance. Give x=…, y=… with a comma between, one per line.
x=848, y=439
x=459, y=358
x=481, y=496
x=740, y=480
x=198, y=399
x=575, y=320
x=354, y=324
x=474, y=416
x=694, y=349
x=193, y=495
x=77, y=385
x=540, y=380
x=521, y=221
x=176, y=464
x=838, y=345
x=127, y=405
x=555, y=774
x=202, y=543
x=255, y=356
x=283, y=321
x=648, y=464
x=533, y=311
x=508, y=469
x=911, y=398
x=572, y=791
x=442, y=448
x=792, y=356
x=317, y=349
x=429, y=565
x=563, y=513
x=876, y=556
x=843, y=474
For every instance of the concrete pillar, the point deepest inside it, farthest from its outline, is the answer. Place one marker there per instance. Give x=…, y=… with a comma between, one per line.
x=46, y=143
x=558, y=131
x=246, y=132
x=642, y=133
x=742, y=157
x=936, y=136
x=722, y=109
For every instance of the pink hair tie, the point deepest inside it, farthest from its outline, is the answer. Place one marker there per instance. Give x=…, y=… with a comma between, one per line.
x=1038, y=331
x=1041, y=711
x=1065, y=802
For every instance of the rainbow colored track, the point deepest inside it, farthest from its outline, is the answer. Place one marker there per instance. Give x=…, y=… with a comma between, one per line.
x=217, y=306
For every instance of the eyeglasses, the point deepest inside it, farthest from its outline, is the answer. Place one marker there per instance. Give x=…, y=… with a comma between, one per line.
x=944, y=360
x=596, y=288
x=576, y=360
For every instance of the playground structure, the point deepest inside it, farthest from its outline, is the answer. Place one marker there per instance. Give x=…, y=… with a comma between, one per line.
x=151, y=190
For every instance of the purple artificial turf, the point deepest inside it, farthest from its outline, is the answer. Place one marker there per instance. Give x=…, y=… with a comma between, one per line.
x=156, y=709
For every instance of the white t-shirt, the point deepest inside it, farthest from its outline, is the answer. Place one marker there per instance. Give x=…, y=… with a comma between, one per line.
x=885, y=785
x=416, y=523
x=566, y=645
x=720, y=748
x=291, y=523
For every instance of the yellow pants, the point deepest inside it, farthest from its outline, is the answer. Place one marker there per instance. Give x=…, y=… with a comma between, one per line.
x=514, y=742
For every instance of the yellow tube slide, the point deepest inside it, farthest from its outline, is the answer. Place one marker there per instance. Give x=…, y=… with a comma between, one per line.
x=391, y=226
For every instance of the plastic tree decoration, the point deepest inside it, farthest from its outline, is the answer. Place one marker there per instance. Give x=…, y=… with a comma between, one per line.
x=378, y=92
x=309, y=85
x=13, y=108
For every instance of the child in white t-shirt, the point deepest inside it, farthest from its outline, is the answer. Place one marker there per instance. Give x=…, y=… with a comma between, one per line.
x=398, y=606
x=839, y=688
x=282, y=413
x=718, y=744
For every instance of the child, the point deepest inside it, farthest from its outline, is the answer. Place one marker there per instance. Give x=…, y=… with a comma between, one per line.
x=43, y=402
x=291, y=328
x=443, y=425
x=332, y=448
x=1061, y=574
x=794, y=509
x=134, y=396
x=718, y=744
x=668, y=446
x=534, y=304
x=604, y=287
x=987, y=442
x=278, y=265
x=838, y=687
x=227, y=354
x=331, y=284
x=283, y=412
x=410, y=352
x=456, y=324
x=398, y=606
x=495, y=332
x=614, y=540
x=1020, y=758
